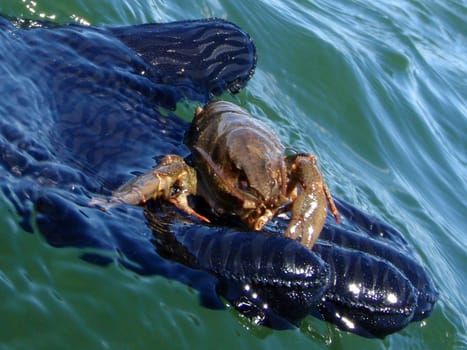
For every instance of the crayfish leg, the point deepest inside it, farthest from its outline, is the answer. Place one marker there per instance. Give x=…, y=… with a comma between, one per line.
x=181, y=202
x=332, y=205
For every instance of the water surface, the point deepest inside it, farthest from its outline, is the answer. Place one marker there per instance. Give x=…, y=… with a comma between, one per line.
x=377, y=90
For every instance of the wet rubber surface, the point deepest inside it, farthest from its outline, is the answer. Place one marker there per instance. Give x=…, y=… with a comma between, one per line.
x=92, y=107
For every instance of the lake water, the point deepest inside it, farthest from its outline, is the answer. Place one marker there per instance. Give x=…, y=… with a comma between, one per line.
x=377, y=90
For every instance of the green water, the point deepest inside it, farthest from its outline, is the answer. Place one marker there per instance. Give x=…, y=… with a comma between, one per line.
x=377, y=90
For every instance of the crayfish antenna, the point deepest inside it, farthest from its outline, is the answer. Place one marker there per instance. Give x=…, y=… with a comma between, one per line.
x=103, y=204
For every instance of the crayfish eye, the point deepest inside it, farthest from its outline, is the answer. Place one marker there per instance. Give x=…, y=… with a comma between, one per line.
x=243, y=183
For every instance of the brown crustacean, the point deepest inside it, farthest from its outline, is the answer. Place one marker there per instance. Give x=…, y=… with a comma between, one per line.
x=240, y=168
